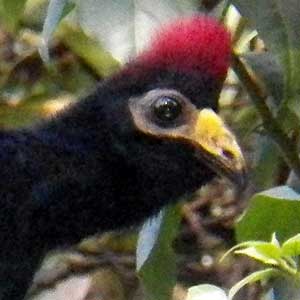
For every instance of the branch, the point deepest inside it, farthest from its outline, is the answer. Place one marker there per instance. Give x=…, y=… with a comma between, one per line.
x=258, y=96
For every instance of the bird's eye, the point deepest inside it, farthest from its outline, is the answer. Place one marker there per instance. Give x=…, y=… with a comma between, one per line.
x=167, y=109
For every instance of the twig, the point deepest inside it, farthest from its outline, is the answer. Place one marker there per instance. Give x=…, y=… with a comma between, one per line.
x=259, y=96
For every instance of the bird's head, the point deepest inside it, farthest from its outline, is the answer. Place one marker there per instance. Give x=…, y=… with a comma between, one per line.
x=169, y=93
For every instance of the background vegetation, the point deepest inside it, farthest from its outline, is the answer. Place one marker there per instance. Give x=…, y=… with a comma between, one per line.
x=52, y=54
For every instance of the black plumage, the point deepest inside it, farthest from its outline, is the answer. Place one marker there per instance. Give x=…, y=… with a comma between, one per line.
x=90, y=169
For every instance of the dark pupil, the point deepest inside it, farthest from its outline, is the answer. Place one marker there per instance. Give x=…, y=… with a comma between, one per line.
x=167, y=109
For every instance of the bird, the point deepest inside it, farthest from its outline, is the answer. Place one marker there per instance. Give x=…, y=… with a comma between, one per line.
x=142, y=139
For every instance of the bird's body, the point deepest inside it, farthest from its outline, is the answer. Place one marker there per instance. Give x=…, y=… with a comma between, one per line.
x=102, y=164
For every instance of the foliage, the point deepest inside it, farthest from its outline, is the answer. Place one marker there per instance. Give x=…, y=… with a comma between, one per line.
x=278, y=260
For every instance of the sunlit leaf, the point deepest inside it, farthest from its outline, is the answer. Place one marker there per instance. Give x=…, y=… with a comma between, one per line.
x=206, y=292
x=272, y=249
x=243, y=245
x=291, y=247
x=254, y=253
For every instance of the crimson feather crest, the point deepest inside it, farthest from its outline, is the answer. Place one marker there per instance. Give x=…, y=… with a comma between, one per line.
x=191, y=44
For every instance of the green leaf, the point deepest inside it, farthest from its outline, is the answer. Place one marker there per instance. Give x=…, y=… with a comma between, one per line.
x=206, y=292
x=157, y=267
x=243, y=245
x=275, y=210
x=10, y=13
x=125, y=26
x=254, y=277
x=266, y=252
x=291, y=247
x=260, y=256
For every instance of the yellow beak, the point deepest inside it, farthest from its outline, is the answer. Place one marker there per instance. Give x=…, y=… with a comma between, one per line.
x=217, y=145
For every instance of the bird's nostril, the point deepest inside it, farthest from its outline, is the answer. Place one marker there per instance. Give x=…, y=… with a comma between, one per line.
x=227, y=154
